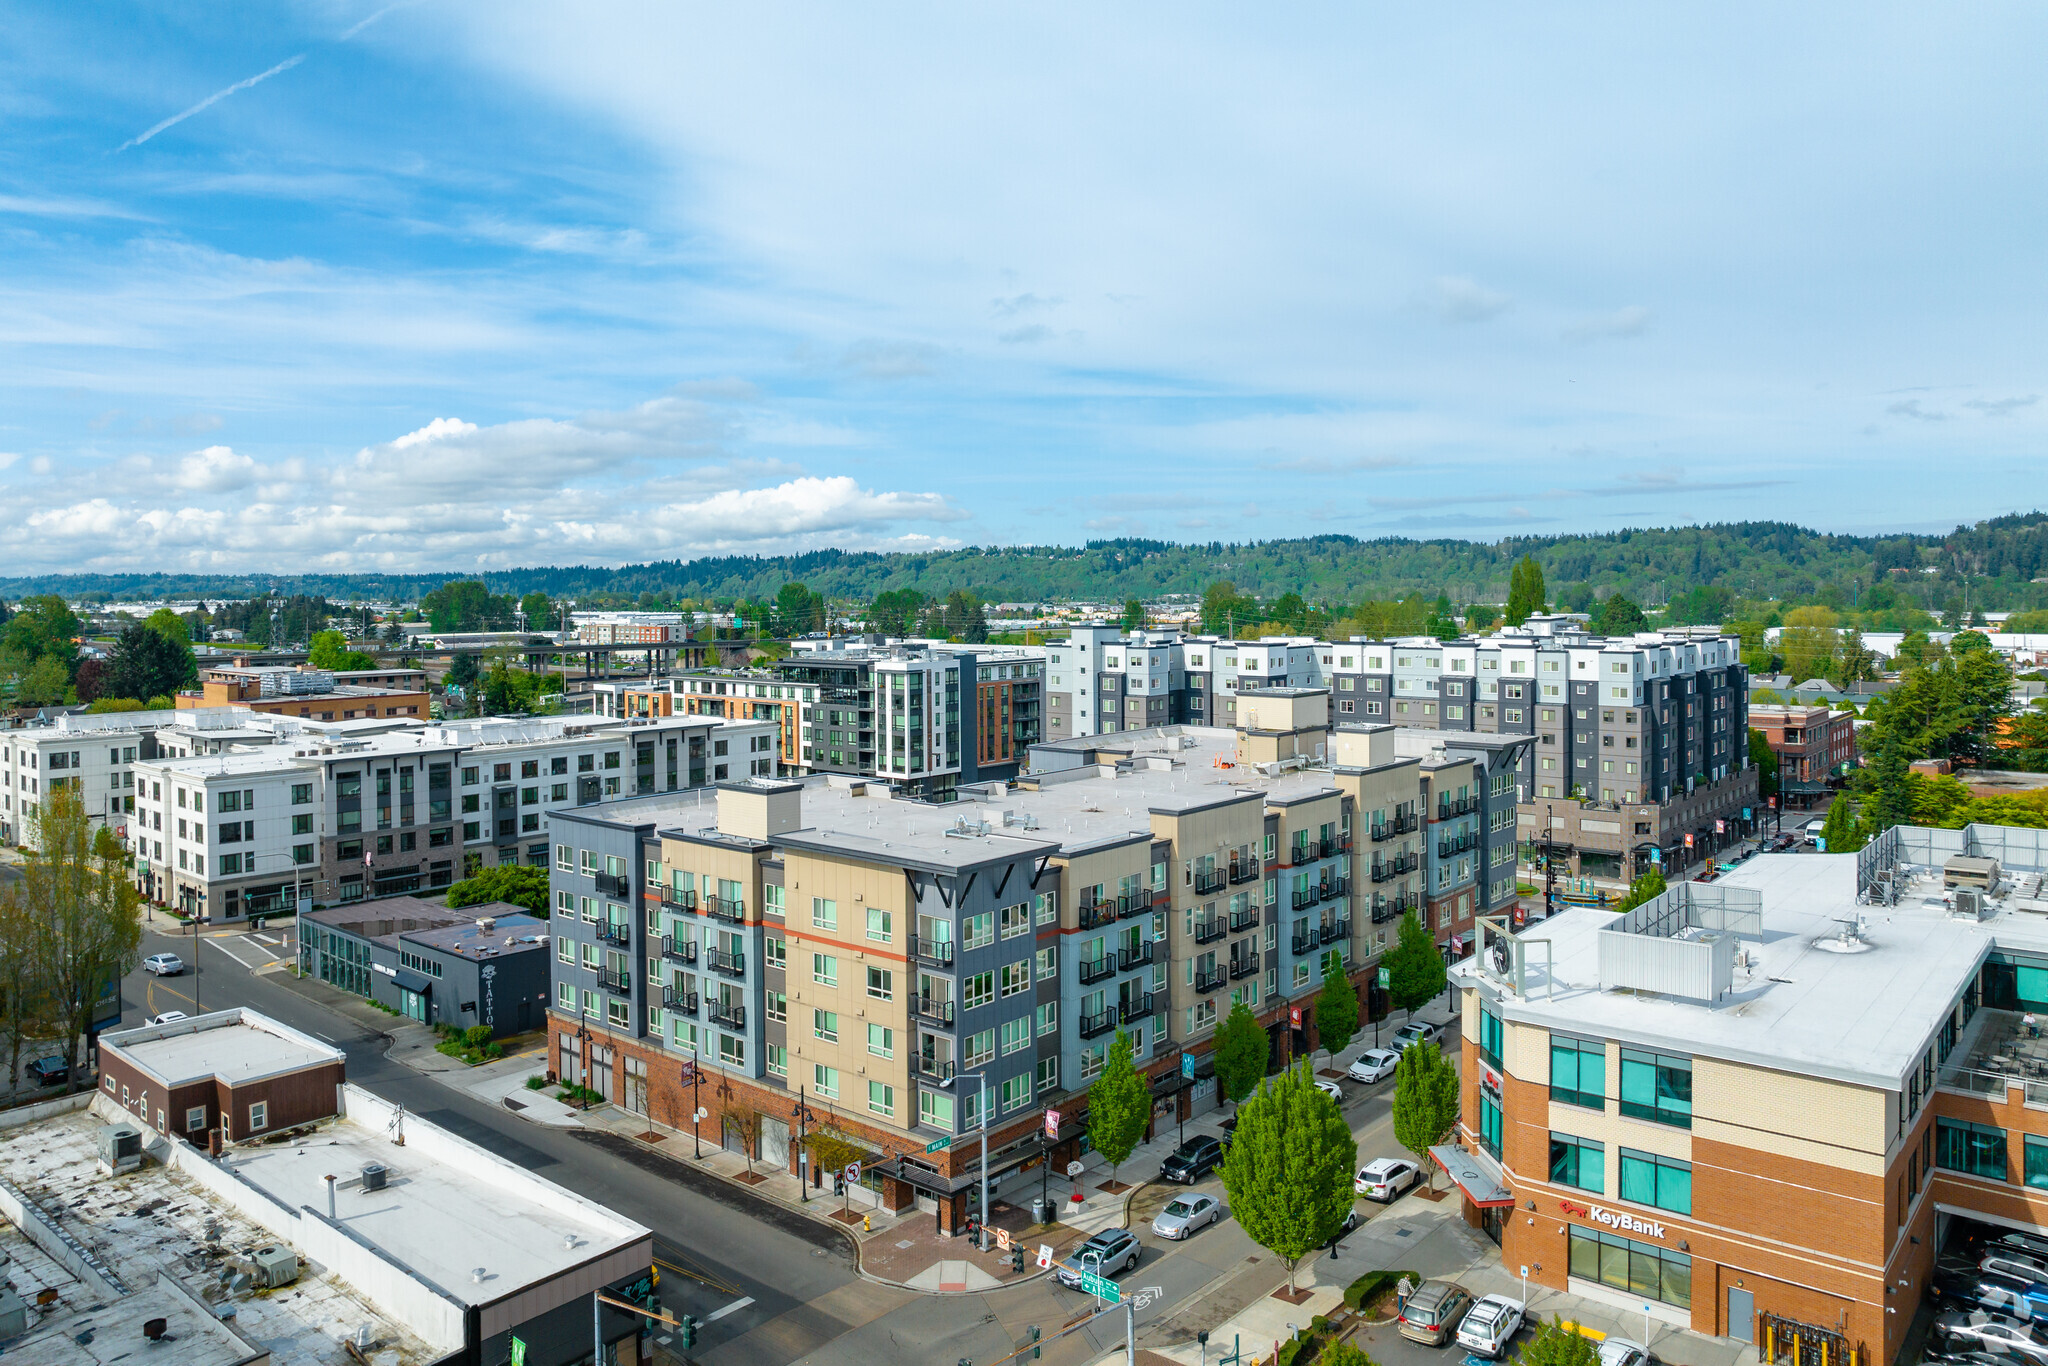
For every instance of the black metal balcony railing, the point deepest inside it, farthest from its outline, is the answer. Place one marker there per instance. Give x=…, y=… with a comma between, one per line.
x=614, y=932
x=1331, y=931
x=673, y=998
x=1381, y=872
x=1241, y=872
x=1385, y=909
x=731, y=962
x=1210, y=930
x=1382, y=833
x=681, y=950
x=1326, y=848
x=729, y=1014
x=1406, y=822
x=1093, y=1026
x=1208, y=979
x=1134, y=956
x=1304, y=897
x=939, y=1070
x=1137, y=1008
x=930, y=1009
x=1411, y=901
x=1243, y=967
x=1336, y=889
x=1210, y=881
x=1303, y=944
x=1405, y=863
x=726, y=908
x=611, y=885
x=931, y=950
x=1095, y=969
x=619, y=983
x=678, y=901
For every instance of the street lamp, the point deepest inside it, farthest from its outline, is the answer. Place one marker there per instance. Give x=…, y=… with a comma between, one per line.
x=803, y=1116
x=583, y=1040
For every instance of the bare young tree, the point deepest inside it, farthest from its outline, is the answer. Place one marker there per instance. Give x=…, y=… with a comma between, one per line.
x=86, y=919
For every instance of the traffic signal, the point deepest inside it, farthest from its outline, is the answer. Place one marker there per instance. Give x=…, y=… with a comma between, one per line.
x=688, y=1331
x=1036, y=1350
x=1016, y=1257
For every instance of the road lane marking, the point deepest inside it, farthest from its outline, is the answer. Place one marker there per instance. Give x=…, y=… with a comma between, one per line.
x=737, y=1305
x=232, y=954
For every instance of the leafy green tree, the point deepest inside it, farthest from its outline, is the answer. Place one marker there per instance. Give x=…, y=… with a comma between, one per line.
x=107, y=704
x=1134, y=614
x=42, y=627
x=462, y=670
x=1525, y=590
x=148, y=664
x=169, y=625
x=1242, y=1050
x=1890, y=789
x=1345, y=1353
x=1225, y=610
x=1764, y=760
x=88, y=916
x=1425, y=1102
x=1555, y=1345
x=1648, y=886
x=895, y=612
x=329, y=650
x=1480, y=615
x=1620, y=616
x=1289, y=1168
x=1336, y=1006
x=526, y=888
x=1839, y=832
x=467, y=605
x=1119, y=1105
x=1415, y=967
x=43, y=685
x=797, y=611
x=539, y=611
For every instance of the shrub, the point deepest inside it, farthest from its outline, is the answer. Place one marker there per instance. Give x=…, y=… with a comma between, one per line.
x=1372, y=1285
x=536, y=1083
x=476, y=1036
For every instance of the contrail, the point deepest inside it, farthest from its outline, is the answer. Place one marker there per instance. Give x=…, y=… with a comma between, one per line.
x=215, y=98
x=361, y=24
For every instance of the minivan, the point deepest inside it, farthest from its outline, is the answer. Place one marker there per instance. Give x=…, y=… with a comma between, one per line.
x=1433, y=1313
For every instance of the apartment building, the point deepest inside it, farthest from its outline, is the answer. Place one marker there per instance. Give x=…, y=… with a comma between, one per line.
x=312, y=694
x=335, y=817
x=1766, y=1105
x=1807, y=743
x=827, y=952
x=95, y=756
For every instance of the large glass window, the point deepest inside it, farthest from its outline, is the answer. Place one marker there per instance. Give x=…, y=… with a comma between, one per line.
x=1489, y=1123
x=1649, y=1179
x=2037, y=1162
x=1639, y=1268
x=1578, y=1162
x=1578, y=1071
x=1978, y=1149
x=1656, y=1086
x=1490, y=1036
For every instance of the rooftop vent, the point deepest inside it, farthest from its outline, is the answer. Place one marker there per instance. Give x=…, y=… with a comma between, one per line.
x=1851, y=938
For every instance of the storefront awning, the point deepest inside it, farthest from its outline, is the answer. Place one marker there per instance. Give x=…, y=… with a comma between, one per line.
x=413, y=981
x=1476, y=1175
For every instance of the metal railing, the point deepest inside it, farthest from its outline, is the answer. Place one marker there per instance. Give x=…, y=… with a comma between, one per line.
x=614, y=932
x=612, y=885
x=938, y=1069
x=619, y=983
x=1385, y=909
x=681, y=950
x=1210, y=930
x=1134, y=956
x=1242, y=872
x=1096, y=914
x=730, y=1014
x=726, y=908
x=1383, y=872
x=1208, y=979
x=731, y=962
x=1303, y=945
x=1100, y=1023
x=674, y=999
x=1304, y=897
x=1244, y=918
x=1137, y=1008
x=1382, y=833
x=1211, y=881
x=931, y=950
x=1334, y=930
x=927, y=1008
x=1243, y=967
x=1407, y=822
x=674, y=900
x=1095, y=969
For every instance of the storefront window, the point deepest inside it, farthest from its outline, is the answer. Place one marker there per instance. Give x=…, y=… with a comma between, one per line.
x=1578, y=1071
x=1640, y=1268
x=1978, y=1149
x=1663, y=1182
x=1656, y=1086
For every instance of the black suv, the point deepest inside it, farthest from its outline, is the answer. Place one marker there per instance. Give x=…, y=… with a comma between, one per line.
x=1192, y=1161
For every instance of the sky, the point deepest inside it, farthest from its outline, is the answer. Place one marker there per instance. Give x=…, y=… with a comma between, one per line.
x=348, y=285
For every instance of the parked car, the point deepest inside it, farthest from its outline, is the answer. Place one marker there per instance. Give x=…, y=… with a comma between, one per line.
x=1184, y=1214
x=50, y=1071
x=1433, y=1313
x=1416, y=1031
x=1330, y=1089
x=1375, y=1064
x=1489, y=1325
x=1345, y=1229
x=1624, y=1352
x=1191, y=1161
x=1810, y=832
x=2027, y=1244
x=1979, y=1330
x=1998, y=1295
x=1385, y=1178
x=169, y=1017
x=1108, y=1253
x=163, y=965
x=1783, y=842
x=2007, y=1263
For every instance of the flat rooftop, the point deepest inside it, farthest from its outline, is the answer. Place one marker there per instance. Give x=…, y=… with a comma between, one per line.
x=236, y=1046
x=511, y=931
x=1799, y=1001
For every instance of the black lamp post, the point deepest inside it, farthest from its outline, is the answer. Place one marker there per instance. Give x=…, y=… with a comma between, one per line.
x=583, y=1062
x=803, y=1116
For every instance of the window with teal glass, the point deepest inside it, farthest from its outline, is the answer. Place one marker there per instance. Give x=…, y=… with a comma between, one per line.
x=2037, y=1162
x=1977, y=1149
x=1489, y=1124
x=1578, y=1162
x=1490, y=1036
x=1656, y=1086
x=1578, y=1071
x=1664, y=1182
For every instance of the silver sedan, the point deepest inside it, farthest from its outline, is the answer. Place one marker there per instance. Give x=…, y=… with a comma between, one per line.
x=1185, y=1214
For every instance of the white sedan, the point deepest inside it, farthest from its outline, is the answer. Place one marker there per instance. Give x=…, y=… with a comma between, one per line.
x=1331, y=1089
x=1375, y=1064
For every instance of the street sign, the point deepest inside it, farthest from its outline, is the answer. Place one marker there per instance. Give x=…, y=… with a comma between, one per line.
x=853, y=1173
x=1688, y=839
x=938, y=1145
x=1187, y=1065
x=1386, y=977
x=1002, y=1240
x=1073, y=1169
x=1044, y=1256
x=689, y=1072
x=1101, y=1287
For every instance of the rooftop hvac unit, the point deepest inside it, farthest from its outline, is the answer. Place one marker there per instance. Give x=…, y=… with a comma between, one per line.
x=374, y=1175
x=1972, y=905
x=120, y=1147
x=273, y=1265
x=13, y=1313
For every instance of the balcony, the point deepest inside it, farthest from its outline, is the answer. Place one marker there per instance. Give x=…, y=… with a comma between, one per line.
x=1210, y=881
x=1208, y=979
x=679, y=950
x=1098, y=1024
x=1244, y=918
x=1336, y=889
x=726, y=908
x=941, y=1012
x=931, y=950
x=1406, y=822
x=1134, y=956
x=1137, y=1008
x=1095, y=969
x=674, y=999
x=1446, y=848
x=613, y=886
x=1332, y=931
x=1210, y=930
x=1243, y=872
x=729, y=1014
x=1304, y=897
x=1241, y=968
x=1385, y=909
x=939, y=1070
x=673, y=900
x=1303, y=944
x=731, y=962
x=618, y=983
x=1405, y=863
x=1096, y=914
x=614, y=932
x=1382, y=833
x=1328, y=848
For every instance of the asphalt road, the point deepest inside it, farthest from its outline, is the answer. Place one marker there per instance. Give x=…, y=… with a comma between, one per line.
x=772, y=1287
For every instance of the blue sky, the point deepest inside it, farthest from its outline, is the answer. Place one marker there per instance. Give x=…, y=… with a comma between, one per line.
x=448, y=285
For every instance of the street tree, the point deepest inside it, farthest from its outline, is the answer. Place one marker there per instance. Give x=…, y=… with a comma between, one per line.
x=526, y=888
x=26, y=1007
x=1415, y=967
x=1119, y=1104
x=1648, y=886
x=43, y=685
x=1425, y=1101
x=1289, y=1168
x=1242, y=1049
x=1839, y=832
x=86, y=914
x=42, y=626
x=831, y=1149
x=1134, y=614
x=1336, y=1006
x=329, y=650
x=1764, y=760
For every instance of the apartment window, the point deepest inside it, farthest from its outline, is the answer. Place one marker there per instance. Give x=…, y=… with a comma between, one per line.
x=1975, y=1149
x=1048, y=1075
x=1656, y=1086
x=1578, y=1162
x=976, y=931
x=825, y=1025
x=824, y=969
x=1016, y=1091
x=824, y=914
x=302, y=793
x=978, y=1048
x=1490, y=1036
x=1047, y=1018
x=777, y=1058
x=1048, y=963
x=881, y=1041
x=881, y=925
x=259, y=1116
x=195, y=1119
x=1664, y=1182
x=1046, y=906
x=1016, y=1035
x=1015, y=920
x=977, y=990
x=935, y=1109
x=775, y=950
x=1016, y=976
x=732, y=1052
x=881, y=1099
x=882, y=984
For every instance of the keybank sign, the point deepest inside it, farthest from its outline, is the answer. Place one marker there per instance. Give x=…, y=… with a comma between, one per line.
x=1614, y=1219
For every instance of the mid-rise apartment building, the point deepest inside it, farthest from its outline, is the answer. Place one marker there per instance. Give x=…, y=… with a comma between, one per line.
x=827, y=951
x=1764, y=1106
x=312, y=694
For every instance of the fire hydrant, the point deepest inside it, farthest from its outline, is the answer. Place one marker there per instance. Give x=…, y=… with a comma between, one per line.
x=867, y=1223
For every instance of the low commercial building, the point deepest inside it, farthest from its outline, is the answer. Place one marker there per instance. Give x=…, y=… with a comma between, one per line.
x=477, y=965
x=231, y=1076
x=1761, y=1107
x=314, y=694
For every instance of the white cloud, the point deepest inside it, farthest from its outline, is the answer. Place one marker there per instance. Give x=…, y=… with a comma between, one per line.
x=434, y=431
x=217, y=469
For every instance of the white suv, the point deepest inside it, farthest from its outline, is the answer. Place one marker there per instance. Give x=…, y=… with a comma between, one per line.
x=1488, y=1326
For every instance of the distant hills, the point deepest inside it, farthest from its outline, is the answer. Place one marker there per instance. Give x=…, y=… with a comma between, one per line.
x=2001, y=559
